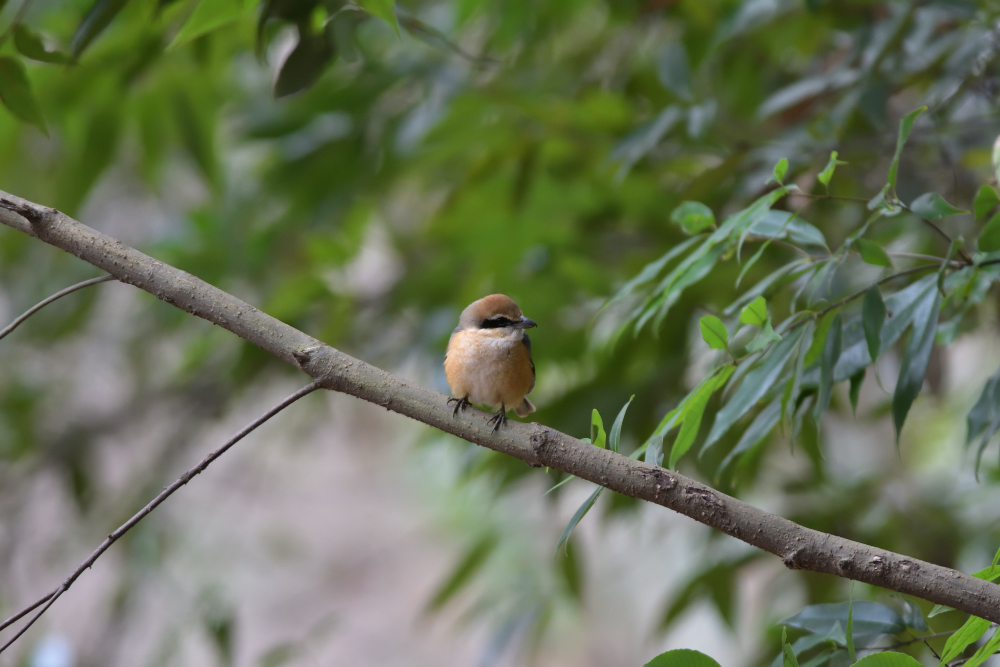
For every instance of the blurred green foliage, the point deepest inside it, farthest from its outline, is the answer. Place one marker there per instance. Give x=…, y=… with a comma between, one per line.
x=364, y=171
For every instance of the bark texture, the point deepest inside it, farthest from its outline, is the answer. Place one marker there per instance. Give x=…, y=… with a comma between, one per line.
x=798, y=547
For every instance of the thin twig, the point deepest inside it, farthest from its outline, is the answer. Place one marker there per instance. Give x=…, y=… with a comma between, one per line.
x=58, y=295
x=49, y=599
x=861, y=292
x=961, y=251
x=429, y=33
x=827, y=196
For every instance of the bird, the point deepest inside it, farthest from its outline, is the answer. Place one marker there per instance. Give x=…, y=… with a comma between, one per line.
x=488, y=361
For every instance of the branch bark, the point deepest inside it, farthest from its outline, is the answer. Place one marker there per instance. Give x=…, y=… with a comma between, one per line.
x=537, y=445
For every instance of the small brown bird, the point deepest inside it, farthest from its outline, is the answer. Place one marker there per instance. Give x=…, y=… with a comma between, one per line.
x=489, y=359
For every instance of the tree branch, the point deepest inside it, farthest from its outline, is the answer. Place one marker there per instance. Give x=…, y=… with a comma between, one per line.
x=798, y=547
x=48, y=599
x=58, y=295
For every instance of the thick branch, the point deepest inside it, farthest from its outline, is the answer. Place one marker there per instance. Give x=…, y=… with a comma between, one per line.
x=798, y=547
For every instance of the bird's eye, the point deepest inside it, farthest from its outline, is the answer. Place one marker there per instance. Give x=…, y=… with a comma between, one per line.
x=497, y=322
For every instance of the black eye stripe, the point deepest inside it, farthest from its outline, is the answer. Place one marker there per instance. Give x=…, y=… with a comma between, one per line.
x=497, y=322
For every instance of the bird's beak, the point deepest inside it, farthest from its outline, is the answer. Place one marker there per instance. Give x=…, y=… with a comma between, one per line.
x=525, y=323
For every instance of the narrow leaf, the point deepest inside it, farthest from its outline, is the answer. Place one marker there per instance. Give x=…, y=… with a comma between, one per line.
x=855, y=392
x=580, y=513
x=780, y=170
x=790, y=660
x=16, y=95
x=30, y=45
x=762, y=424
x=826, y=175
x=464, y=571
x=755, y=384
x=207, y=16
x=989, y=238
x=714, y=332
x=968, y=634
x=849, y=632
x=651, y=270
x=93, y=24
x=304, y=65
x=985, y=651
x=674, y=71
x=819, y=338
x=986, y=199
x=614, y=439
x=764, y=337
x=755, y=313
x=828, y=361
x=932, y=206
x=872, y=320
x=597, y=434
x=905, y=125
x=693, y=217
x=693, y=412
x=913, y=368
x=383, y=9
x=872, y=253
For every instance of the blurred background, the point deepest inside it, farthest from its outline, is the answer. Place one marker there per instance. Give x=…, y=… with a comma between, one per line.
x=363, y=176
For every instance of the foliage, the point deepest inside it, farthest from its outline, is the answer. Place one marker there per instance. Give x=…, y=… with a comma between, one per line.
x=803, y=186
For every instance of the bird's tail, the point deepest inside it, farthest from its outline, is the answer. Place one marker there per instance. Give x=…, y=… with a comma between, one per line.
x=525, y=408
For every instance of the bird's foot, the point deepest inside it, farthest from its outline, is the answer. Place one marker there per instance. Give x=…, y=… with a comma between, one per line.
x=460, y=404
x=499, y=419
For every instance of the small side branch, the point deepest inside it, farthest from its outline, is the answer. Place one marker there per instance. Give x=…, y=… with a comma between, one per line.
x=46, y=601
x=58, y=295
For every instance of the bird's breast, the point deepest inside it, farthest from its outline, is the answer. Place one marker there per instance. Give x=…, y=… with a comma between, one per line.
x=490, y=370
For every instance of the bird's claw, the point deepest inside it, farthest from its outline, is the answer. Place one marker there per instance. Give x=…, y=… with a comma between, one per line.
x=499, y=419
x=460, y=404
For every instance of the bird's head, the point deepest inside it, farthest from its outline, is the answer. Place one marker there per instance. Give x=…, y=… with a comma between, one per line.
x=496, y=315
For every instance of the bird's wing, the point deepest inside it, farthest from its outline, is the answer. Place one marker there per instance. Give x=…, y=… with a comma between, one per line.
x=527, y=343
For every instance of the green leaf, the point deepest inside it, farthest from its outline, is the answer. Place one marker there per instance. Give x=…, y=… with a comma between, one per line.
x=913, y=617
x=985, y=651
x=304, y=64
x=651, y=270
x=819, y=338
x=16, y=95
x=762, y=424
x=872, y=253
x=868, y=619
x=984, y=418
x=932, y=206
x=693, y=217
x=970, y=632
x=780, y=170
x=383, y=9
x=887, y=659
x=580, y=513
x=828, y=361
x=464, y=571
x=30, y=45
x=207, y=16
x=905, y=125
x=764, y=337
x=986, y=199
x=614, y=439
x=682, y=657
x=826, y=175
x=597, y=435
x=855, y=392
x=93, y=24
x=989, y=238
x=913, y=368
x=755, y=313
x=786, y=650
x=674, y=71
x=849, y=631
x=872, y=320
x=713, y=331
x=756, y=383
x=693, y=411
